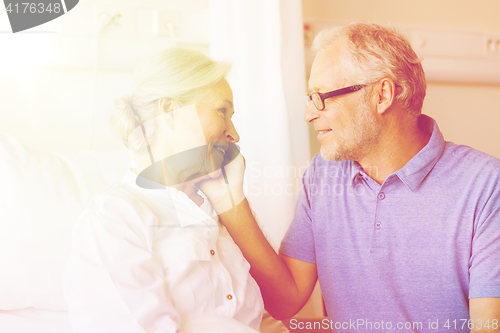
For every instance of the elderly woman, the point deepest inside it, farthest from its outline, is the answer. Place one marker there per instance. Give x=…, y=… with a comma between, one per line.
x=148, y=254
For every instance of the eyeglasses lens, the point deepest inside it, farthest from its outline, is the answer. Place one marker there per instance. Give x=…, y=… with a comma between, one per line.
x=318, y=102
x=307, y=99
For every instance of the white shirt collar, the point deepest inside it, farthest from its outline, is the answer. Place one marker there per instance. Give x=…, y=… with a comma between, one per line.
x=179, y=198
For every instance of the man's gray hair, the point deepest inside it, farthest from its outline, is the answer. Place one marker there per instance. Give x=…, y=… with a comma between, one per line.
x=373, y=52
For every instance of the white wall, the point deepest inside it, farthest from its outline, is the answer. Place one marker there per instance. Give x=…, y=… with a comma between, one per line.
x=47, y=85
x=467, y=114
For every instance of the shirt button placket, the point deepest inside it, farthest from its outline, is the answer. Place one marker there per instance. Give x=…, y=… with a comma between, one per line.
x=380, y=196
x=225, y=279
x=377, y=241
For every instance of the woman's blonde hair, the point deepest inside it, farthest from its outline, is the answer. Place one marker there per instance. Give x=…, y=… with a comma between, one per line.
x=181, y=75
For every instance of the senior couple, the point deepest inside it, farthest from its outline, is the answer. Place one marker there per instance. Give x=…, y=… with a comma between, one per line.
x=176, y=248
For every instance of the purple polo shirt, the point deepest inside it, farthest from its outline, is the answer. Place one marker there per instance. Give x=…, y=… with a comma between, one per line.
x=409, y=252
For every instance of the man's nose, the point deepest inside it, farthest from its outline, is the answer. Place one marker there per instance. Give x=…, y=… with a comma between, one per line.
x=311, y=113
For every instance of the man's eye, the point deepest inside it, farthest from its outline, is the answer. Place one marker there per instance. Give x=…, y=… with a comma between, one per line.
x=222, y=110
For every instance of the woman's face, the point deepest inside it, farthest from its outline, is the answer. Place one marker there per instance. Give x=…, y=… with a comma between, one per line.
x=215, y=110
x=192, y=141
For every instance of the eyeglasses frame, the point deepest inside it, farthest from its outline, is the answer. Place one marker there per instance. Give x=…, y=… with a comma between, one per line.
x=333, y=93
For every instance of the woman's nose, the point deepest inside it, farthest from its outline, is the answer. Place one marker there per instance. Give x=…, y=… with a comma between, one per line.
x=231, y=133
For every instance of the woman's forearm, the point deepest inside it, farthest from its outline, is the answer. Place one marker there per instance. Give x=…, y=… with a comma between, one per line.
x=278, y=287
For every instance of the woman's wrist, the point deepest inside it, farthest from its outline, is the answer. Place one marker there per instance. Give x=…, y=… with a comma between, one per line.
x=229, y=201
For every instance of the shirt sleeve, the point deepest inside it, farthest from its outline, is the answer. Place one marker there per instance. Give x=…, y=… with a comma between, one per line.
x=484, y=265
x=298, y=242
x=114, y=281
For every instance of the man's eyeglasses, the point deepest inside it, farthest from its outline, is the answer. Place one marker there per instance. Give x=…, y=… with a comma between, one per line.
x=319, y=98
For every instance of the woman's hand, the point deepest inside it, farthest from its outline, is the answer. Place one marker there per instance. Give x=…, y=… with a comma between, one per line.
x=225, y=189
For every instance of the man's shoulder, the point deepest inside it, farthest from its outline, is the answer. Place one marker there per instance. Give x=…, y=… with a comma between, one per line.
x=469, y=159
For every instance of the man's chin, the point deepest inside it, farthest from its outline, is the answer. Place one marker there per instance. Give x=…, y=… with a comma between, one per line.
x=330, y=154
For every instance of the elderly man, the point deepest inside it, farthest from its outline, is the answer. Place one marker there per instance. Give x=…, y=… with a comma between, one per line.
x=401, y=227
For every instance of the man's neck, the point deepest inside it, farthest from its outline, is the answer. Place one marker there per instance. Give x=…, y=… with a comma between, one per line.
x=397, y=145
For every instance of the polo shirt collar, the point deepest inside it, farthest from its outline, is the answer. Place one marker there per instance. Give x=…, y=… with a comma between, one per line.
x=417, y=168
x=415, y=171
x=356, y=170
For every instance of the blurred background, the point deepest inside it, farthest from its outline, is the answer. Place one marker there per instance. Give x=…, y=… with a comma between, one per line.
x=58, y=80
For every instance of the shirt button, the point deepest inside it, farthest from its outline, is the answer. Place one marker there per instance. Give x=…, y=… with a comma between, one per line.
x=378, y=225
x=381, y=196
x=229, y=297
x=212, y=252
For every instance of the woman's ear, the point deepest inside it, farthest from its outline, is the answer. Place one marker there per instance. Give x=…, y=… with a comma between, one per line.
x=166, y=107
x=167, y=104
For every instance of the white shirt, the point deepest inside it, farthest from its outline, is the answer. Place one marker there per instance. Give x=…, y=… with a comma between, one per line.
x=147, y=260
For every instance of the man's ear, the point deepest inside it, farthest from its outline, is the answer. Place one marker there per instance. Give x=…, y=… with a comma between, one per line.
x=385, y=94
